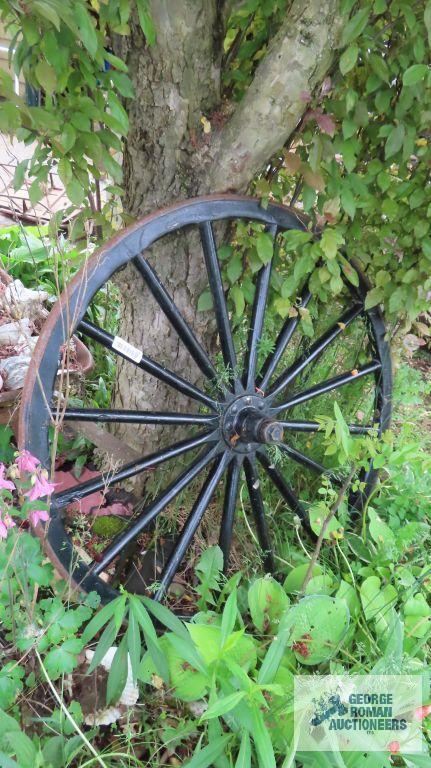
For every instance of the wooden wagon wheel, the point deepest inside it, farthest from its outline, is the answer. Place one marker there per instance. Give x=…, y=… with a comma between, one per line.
x=235, y=423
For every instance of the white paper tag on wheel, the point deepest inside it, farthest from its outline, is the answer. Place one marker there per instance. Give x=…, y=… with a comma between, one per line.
x=126, y=349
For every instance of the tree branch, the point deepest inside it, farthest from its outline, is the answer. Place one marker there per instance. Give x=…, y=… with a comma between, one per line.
x=298, y=59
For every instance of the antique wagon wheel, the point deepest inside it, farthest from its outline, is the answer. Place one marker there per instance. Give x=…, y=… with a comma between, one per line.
x=237, y=420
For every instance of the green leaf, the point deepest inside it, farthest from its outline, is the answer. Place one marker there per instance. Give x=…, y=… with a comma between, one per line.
x=166, y=617
x=295, y=238
x=348, y=202
x=123, y=84
x=46, y=76
x=99, y=620
x=379, y=66
x=414, y=74
x=117, y=63
x=262, y=740
x=244, y=755
x=349, y=59
x=67, y=137
x=294, y=580
x=275, y=652
x=48, y=12
x=134, y=644
x=320, y=625
x=234, y=268
x=204, y=758
x=23, y=748
x=427, y=20
x=238, y=299
x=355, y=26
x=75, y=191
x=106, y=640
x=264, y=247
x=63, y=660
x=267, y=601
x=146, y=21
x=205, y=301
x=373, y=297
x=117, y=676
x=87, y=31
x=143, y=618
x=223, y=705
x=330, y=242
x=229, y=616
x=395, y=140
x=19, y=175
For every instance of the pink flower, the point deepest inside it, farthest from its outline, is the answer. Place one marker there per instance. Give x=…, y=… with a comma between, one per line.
x=26, y=462
x=422, y=712
x=7, y=485
x=6, y=523
x=40, y=488
x=36, y=515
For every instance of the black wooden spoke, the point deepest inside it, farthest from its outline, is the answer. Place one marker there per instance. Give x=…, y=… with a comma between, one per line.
x=133, y=468
x=328, y=385
x=315, y=350
x=137, y=417
x=150, y=513
x=191, y=525
x=286, y=491
x=217, y=292
x=230, y=497
x=175, y=317
x=146, y=363
x=314, y=426
x=258, y=509
x=281, y=343
x=306, y=461
x=257, y=318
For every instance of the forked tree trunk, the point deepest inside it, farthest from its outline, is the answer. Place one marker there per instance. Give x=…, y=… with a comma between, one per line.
x=169, y=158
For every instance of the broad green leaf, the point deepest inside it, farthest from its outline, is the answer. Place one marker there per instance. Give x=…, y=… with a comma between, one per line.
x=379, y=530
x=295, y=238
x=295, y=578
x=234, y=268
x=264, y=247
x=48, y=12
x=414, y=74
x=204, y=758
x=205, y=301
x=19, y=175
x=349, y=58
x=238, y=299
x=267, y=601
x=373, y=297
x=223, y=705
x=395, y=140
x=355, y=26
x=330, y=242
x=117, y=676
x=23, y=748
x=75, y=191
x=87, y=30
x=377, y=602
x=46, y=76
x=320, y=625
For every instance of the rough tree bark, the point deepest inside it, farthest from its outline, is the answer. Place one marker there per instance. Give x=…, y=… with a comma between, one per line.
x=167, y=158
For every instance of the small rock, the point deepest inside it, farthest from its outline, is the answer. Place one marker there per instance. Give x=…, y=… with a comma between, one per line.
x=14, y=370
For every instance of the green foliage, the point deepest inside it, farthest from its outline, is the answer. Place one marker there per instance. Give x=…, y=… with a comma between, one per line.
x=61, y=48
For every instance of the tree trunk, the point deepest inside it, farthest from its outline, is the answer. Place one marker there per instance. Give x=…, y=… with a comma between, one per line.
x=169, y=158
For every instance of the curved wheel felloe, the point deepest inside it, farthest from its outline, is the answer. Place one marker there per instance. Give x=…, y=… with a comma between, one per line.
x=257, y=427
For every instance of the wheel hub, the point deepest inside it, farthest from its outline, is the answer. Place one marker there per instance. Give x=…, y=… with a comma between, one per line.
x=247, y=422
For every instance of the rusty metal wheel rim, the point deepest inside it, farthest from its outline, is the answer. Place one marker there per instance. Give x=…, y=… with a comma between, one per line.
x=251, y=408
